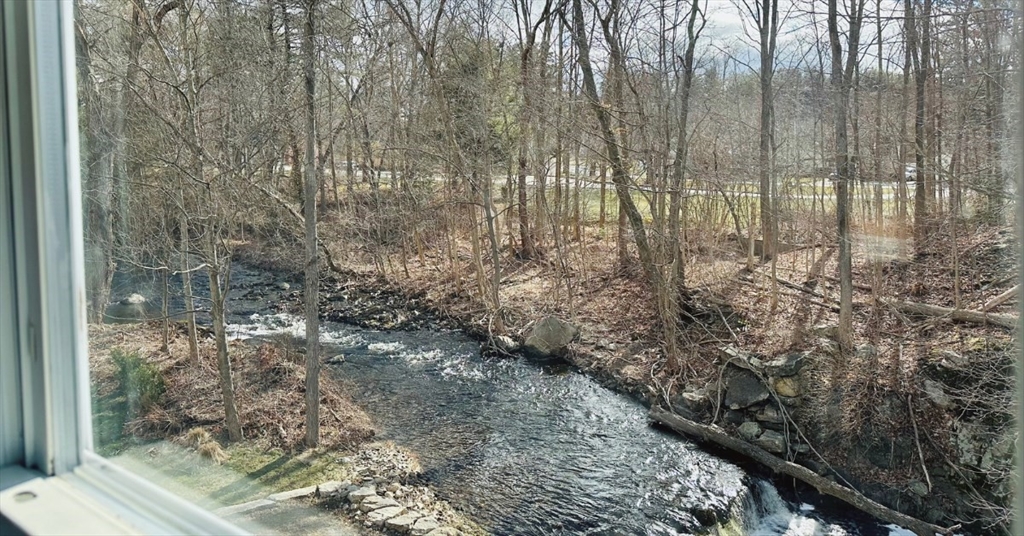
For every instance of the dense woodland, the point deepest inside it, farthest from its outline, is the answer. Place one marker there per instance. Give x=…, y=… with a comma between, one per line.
x=633, y=166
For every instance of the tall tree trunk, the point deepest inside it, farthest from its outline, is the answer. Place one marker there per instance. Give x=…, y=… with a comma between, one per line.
x=842, y=76
x=526, y=239
x=186, y=286
x=921, y=60
x=312, y=275
x=768, y=26
x=218, y=296
x=611, y=141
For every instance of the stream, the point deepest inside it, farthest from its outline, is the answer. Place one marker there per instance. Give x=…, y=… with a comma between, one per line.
x=528, y=449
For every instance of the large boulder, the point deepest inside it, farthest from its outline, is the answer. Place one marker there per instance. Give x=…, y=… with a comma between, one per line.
x=550, y=338
x=131, y=309
x=744, y=390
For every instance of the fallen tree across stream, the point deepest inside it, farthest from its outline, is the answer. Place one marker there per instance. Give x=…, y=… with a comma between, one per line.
x=850, y=496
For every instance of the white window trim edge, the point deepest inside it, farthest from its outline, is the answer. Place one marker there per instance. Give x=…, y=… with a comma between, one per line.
x=67, y=415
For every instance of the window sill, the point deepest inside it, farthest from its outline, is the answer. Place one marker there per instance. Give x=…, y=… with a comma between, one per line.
x=100, y=498
x=41, y=505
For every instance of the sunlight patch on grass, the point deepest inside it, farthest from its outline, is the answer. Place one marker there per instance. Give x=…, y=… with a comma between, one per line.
x=250, y=473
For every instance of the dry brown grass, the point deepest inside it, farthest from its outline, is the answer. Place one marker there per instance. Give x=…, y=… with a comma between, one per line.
x=269, y=391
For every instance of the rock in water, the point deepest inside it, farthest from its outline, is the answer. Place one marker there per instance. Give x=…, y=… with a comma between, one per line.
x=130, y=309
x=505, y=344
x=550, y=337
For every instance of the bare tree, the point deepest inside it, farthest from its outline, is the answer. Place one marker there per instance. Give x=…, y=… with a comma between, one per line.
x=312, y=273
x=841, y=78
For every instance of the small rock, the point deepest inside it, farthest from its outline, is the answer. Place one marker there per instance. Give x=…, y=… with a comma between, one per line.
x=424, y=525
x=933, y=390
x=444, y=531
x=293, y=494
x=790, y=401
x=389, y=495
x=740, y=358
x=866, y=351
x=504, y=343
x=371, y=503
x=828, y=331
x=402, y=523
x=771, y=441
x=333, y=487
x=770, y=414
x=282, y=285
x=787, y=387
x=696, y=401
x=379, y=516
x=919, y=488
x=787, y=365
x=735, y=417
x=800, y=448
x=749, y=430
x=394, y=486
x=362, y=494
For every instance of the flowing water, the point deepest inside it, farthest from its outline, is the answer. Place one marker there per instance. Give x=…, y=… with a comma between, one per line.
x=529, y=449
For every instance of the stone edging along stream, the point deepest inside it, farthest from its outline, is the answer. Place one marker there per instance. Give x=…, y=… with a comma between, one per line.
x=380, y=510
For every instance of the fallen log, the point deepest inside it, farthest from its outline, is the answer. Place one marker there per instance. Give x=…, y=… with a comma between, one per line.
x=961, y=315
x=852, y=497
x=1000, y=299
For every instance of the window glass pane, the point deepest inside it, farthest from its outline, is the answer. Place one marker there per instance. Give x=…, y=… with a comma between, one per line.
x=445, y=261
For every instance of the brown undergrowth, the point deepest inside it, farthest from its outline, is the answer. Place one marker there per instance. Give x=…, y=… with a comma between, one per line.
x=855, y=401
x=865, y=411
x=269, y=391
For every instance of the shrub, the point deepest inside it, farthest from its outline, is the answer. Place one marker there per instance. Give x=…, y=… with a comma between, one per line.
x=140, y=380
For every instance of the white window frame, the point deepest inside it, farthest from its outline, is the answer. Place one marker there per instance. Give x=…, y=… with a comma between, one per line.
x=46, y=449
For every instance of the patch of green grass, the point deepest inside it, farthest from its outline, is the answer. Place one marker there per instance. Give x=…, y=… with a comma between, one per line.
x=109, y=413
x=250, y=473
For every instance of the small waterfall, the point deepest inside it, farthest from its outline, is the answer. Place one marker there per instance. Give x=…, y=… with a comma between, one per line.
x=761, y=511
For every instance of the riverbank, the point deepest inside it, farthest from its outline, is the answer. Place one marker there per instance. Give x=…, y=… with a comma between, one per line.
x=158, y=413
x=895, y=419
